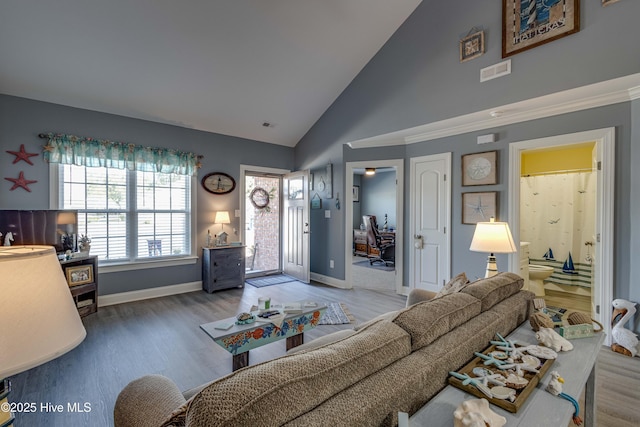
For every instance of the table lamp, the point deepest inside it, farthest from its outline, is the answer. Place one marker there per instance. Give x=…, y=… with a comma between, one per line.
x=68, y=220
x=40, y=321
x=493, y=237
x=222, y=217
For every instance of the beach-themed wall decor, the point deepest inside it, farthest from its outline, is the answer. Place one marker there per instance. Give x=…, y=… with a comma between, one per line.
x=472, y=45
x=21, y=181
x=479, y=207
x=608, y=2
x=530, y=23
x=22, y=155
x=480, y=168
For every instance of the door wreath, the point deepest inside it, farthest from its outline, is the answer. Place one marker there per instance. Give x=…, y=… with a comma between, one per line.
x=259, y=198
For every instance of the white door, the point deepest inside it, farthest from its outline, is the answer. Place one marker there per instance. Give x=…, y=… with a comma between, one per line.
x=295, y=248
x=430, y=221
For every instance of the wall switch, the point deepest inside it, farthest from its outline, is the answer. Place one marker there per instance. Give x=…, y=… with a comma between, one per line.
x=327, y=214
x=330, y=263
x=237, y=213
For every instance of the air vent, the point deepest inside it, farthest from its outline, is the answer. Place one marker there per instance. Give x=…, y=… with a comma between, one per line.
x=495, y=71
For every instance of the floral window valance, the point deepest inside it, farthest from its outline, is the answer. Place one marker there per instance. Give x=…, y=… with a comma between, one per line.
x=75, y=150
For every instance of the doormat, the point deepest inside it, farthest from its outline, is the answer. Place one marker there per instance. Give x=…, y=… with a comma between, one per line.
x=261, y=282
x=376, y=266
x=337, y=313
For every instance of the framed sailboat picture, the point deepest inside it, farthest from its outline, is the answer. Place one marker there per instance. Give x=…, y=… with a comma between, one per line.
x=530, y=23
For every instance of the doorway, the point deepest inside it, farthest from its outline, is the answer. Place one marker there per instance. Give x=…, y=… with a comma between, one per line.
x=599, y=251
x=391, y=171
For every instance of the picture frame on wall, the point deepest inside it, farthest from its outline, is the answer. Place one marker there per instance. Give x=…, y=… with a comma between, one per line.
x=527, y=24
x=608, y=2
x=356, y=193
x=472, y=46
x=479, y=207
x=480, y=168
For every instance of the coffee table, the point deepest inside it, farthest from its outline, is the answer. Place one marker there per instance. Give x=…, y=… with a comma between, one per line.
x=239, y=339
x=541, y=408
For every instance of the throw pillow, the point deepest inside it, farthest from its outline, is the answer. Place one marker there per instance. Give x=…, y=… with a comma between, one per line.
x=455, y=285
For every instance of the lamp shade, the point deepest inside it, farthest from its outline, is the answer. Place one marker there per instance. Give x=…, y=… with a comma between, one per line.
x=39, y=318
x=66, y=217
x=493, y=237
x=222, y=217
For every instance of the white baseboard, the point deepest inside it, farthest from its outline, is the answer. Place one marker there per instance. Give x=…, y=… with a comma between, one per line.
x=331, y=281
x=161, y=291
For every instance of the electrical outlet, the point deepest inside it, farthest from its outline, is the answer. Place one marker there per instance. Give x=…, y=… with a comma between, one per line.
x=330, y=263
x=327, y=214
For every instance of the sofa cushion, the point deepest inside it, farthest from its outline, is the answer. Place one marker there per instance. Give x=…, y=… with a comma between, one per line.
x=384, y=316
x=426, y=321
x=454, y=285
x=323, y=340
x=492, y=290
x=275, y=392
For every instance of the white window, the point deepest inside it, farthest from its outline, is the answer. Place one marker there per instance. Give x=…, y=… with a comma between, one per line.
x=130, y=216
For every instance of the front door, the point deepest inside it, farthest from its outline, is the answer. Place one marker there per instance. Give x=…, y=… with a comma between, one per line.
x=296, y=225
x=430, y=221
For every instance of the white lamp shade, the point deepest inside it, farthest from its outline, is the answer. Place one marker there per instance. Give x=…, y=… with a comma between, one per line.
x=493, y=237
x=222, y=217
x=39, y=318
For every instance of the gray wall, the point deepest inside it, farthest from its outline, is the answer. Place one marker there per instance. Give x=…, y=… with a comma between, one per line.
x=417, y=78
x=21, y=120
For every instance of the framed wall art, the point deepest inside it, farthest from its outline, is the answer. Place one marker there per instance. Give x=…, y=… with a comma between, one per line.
x=479, y=207
x=604, y=3
x=530, y=23
x=472, y=46
x=480, y=168
x=356, y=193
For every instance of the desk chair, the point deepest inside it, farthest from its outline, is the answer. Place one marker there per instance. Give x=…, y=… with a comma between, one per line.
x=386, y=245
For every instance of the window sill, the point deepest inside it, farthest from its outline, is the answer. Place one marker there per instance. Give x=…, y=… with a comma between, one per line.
x=142, y=265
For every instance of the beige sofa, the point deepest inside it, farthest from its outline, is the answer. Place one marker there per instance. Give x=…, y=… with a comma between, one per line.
x=394, y=363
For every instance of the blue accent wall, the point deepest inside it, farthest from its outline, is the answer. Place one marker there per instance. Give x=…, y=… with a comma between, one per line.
x=21, y=120
x=416, y=78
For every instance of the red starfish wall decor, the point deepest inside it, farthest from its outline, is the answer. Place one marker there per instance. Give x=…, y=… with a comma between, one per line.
x=22, y=155
x=20, y=181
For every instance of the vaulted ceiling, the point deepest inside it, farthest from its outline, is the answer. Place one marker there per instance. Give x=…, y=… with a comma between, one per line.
x=224, y=66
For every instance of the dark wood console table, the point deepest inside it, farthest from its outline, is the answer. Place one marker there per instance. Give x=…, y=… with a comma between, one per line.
x=82, y=277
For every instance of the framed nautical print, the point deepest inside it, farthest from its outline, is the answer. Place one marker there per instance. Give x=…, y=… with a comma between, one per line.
x=530, y=23
x=479, y=207
x=480, y=168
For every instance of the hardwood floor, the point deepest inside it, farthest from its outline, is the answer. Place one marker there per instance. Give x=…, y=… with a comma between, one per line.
x=163, y=336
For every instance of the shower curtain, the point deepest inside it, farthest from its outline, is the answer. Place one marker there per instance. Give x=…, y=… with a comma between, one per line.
x=557, y=212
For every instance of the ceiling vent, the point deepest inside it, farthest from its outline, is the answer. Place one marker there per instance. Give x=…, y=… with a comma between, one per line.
x=495, y=71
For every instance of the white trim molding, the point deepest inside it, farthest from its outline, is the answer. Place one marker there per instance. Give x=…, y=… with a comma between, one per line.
x=142, y=294
x=609, y=92
x=331, y=281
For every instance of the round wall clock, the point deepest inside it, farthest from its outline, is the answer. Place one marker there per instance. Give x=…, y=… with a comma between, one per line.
x=218, y=183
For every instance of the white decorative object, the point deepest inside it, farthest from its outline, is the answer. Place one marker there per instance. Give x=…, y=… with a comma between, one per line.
x=621, y=336
x=550, y=338
x=8, y=239
x=476, y=413
x=555, y=383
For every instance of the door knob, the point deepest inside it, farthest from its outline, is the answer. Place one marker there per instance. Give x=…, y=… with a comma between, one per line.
x=419, y=243
x=306, y=228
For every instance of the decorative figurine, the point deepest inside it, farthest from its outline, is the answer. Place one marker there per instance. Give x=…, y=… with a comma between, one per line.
x=555, y=387
x=550, y=338
x=476, y=413
x=626, y=342
x=8, y=239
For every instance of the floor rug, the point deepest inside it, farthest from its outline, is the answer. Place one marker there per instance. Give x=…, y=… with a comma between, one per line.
x=376, y=265
x=336, y=314
x=261, y=282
